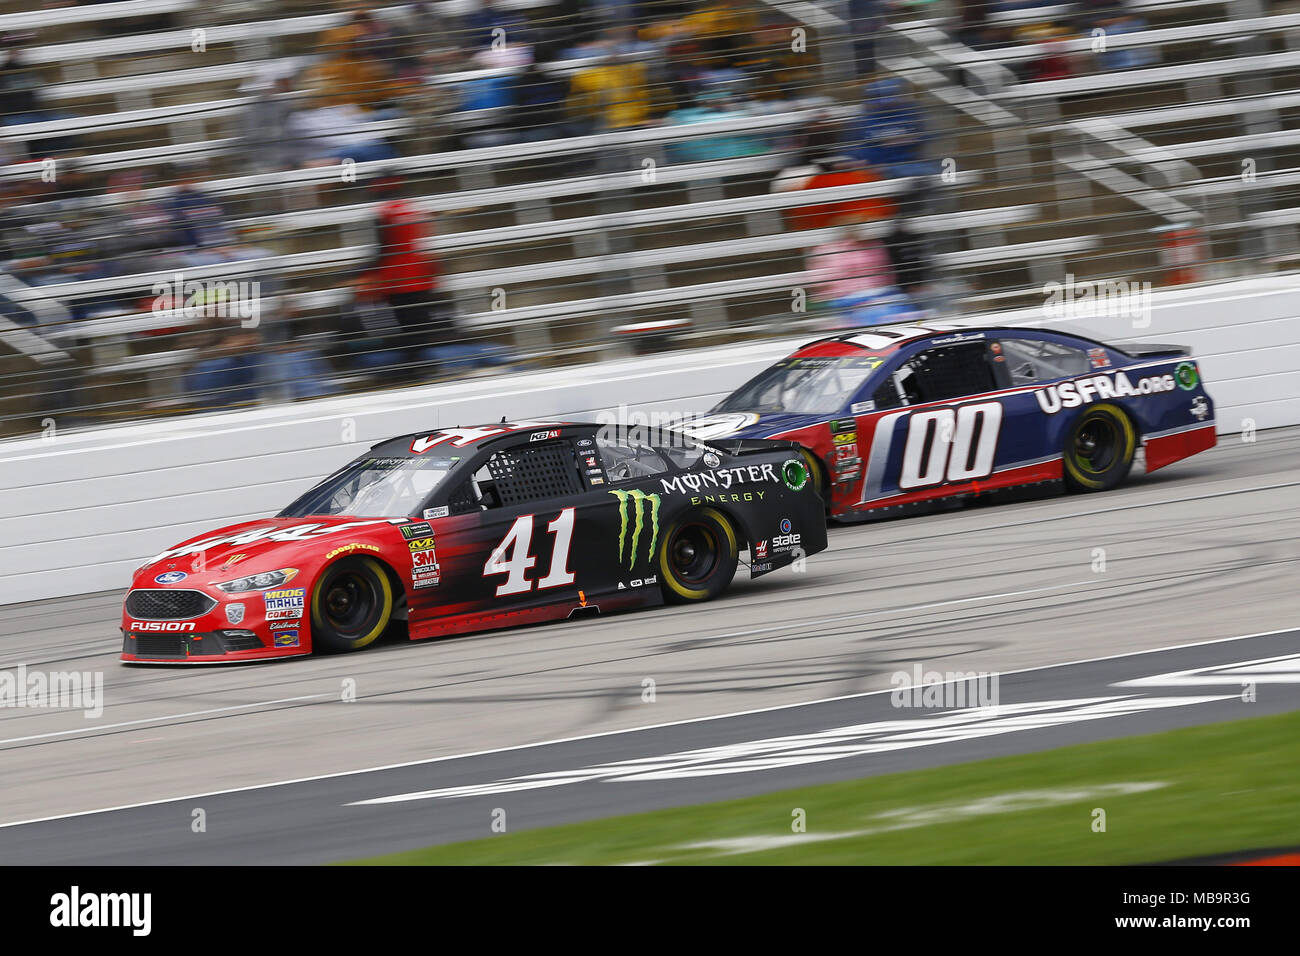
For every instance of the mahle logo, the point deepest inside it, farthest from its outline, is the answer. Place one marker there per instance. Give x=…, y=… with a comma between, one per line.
x=638, y=504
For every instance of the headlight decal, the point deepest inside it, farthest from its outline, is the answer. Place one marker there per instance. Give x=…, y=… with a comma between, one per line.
x=259, y=582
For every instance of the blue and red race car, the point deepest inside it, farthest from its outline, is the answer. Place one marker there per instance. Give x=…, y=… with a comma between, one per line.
x=895, y=417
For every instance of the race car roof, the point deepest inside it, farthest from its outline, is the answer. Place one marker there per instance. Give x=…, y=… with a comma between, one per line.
x=465, y=436
x=879, y=338
x=886, y=338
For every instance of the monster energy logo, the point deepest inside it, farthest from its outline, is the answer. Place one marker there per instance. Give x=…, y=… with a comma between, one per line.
x=638, y=503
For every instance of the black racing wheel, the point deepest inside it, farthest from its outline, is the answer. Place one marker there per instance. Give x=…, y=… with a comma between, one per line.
x=1099, y=449
x=351, y=604
x=698, y=557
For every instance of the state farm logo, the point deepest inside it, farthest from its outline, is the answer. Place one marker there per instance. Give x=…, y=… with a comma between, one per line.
x=1099, y=387
x=786, y=538
x=162, y=625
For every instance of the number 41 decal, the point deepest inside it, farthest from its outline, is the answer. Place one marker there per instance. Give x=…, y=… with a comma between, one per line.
x=511, y=557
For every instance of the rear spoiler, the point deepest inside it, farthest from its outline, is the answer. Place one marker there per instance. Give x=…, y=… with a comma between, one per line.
x=1148, y=350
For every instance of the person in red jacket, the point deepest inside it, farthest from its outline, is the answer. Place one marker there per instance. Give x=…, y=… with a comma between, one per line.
x=405, y=275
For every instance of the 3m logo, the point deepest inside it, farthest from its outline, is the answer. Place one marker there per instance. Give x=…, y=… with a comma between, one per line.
x=634, y=507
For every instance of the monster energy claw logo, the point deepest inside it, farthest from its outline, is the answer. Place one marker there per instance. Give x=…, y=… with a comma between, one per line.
x=638, y=503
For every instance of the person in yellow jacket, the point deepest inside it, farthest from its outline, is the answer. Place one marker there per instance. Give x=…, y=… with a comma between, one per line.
x=613, y=92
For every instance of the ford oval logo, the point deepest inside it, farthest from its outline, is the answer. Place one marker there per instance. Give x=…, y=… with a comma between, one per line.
x=171, y=577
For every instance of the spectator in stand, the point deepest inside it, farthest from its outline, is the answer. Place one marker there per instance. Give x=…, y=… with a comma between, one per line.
x=265, y=123
x=376, y=39
x=867, y=21
x=405, y=277
x=198, y=220
x=322, y=134
x=348, y=75
x=773, y=70
x=490, y=25
x=291, y=371
x=610, y=94
x=1127, y=57
x=972, y=22
x=20, y=86
x=496, y=91
x=228, y=368
x=684, y=69
x=200, y=231
x=890, y=136
x=539, y=105
x=820, y=165
x=1052, y=64
x=854, y=277
x=143, y=231
x=714, y=104
x=909, y=254
x=405, y=280
x=725, y=27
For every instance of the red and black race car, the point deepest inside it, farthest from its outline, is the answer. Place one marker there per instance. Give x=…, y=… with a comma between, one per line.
x=466, y=529
x=897, y=417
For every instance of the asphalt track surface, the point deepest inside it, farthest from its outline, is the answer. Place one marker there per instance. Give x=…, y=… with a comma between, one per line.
x=1204, y=550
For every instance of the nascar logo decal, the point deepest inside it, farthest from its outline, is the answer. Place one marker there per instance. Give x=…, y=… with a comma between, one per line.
x=1086, y=390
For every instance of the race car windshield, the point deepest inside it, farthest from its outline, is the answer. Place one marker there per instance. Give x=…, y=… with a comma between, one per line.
x=820, y=385
x=374, y=488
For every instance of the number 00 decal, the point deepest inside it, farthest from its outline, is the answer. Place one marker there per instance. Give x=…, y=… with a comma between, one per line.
x=947, y=444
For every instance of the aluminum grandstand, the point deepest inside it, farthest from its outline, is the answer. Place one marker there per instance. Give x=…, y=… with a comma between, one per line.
x=231, y=203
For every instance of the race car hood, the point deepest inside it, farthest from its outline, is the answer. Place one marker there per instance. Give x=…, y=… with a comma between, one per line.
x=720, y=425
x=253, y=546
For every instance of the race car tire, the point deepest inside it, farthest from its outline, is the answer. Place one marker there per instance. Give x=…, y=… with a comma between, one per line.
x=351, y=605
x=817, y=474
x=1099, y=449
x=698, y=557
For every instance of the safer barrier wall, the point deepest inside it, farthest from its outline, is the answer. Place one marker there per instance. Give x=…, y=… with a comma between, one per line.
x=80, y=511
